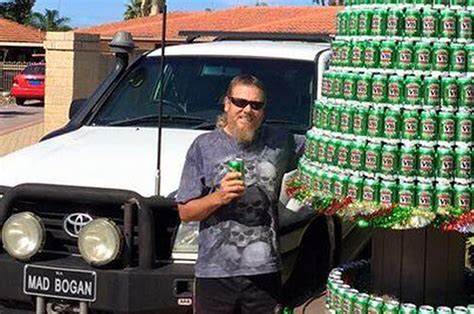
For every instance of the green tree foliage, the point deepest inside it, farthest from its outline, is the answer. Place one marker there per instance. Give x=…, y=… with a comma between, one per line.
x=49, y=21
x=16, y=10
x=134, y=9
x=138, y=8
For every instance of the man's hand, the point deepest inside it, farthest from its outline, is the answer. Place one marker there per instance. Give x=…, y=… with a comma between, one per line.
x=231, y=187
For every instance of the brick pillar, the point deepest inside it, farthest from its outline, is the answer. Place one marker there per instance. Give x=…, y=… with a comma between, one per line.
x=72, y=72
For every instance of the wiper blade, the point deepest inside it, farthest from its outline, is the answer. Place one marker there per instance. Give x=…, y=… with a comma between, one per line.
x=154, y=118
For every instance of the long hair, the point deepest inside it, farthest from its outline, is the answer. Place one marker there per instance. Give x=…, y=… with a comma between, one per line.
x=243, y=79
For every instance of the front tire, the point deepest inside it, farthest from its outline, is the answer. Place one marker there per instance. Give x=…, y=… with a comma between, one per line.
x=312, y=265
x=19, y=101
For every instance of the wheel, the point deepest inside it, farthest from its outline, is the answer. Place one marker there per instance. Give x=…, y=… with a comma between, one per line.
x=312, y=265
x=19, y=101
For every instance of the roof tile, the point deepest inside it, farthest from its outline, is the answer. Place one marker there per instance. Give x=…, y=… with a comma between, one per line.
x=14, y=32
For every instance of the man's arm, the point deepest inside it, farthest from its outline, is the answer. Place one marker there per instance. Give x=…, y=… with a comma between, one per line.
x=199, y=209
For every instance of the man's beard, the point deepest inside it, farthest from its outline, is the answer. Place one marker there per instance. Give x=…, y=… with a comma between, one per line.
x=241, y=134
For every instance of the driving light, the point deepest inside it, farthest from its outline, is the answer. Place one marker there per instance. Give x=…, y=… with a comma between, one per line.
x=100, y=242
x=23, y=235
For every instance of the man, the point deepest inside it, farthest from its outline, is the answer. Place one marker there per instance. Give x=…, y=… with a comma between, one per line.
x=238, y=263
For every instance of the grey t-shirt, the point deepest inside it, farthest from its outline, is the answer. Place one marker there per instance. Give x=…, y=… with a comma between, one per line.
x=241, y=237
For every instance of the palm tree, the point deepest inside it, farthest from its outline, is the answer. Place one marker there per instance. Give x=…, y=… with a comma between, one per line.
x=49, y=21
x=134, y=9
x=16, y=10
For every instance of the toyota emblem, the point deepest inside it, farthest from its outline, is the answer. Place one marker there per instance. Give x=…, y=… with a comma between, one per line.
x=73, y=223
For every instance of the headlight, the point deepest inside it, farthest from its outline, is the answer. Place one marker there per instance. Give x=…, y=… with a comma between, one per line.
x=23, y=235
x=100, y=242
x=187, y=238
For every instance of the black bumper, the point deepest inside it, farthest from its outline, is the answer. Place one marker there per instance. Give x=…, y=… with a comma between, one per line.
x=128, y=290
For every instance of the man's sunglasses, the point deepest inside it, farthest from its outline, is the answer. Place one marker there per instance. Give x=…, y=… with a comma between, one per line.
x=242, y=103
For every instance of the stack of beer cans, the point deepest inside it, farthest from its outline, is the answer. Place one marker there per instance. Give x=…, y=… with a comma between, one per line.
x=394, y=125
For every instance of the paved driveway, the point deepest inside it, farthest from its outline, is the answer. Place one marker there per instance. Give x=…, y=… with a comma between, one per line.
x=13, y=117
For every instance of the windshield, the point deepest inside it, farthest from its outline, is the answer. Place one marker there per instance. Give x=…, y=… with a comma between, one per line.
x=194, y=88
x=34, y=69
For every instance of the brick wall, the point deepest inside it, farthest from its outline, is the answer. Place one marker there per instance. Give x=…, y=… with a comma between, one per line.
x=73, y=71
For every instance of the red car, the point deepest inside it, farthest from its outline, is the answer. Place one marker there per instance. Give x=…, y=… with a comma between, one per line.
x=29, y=84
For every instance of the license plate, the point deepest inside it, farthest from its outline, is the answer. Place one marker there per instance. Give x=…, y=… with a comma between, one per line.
x=35, y=82
x=60, y=283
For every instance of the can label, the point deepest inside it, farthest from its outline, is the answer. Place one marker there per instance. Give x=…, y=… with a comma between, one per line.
x=392, y=125
x=342, y=156
x=375, y=123
x=349, y=89
x=444, y=198
x=426, y=199
x=389, y=161
x=388, y=194
x=428, y=127
x=330, y=152
x=448, y=26
x=445, y=165
x=465, y=27
x=393, y=25
x=360, y=121
x=410, y=127
x=357, y=52
x=362, y=90
x=450, y=95
x=464, y=131
x=413, y=92
x=394, y=92
x=427, y=162
x=369, y=193
x=407, y=197
x=339, y=188
x=432, y=92
x=422, y=59
x=405, y=56
x=467, y=94
x=441, y=57
x=386, y=57
x=458, y=60
x=408, y=162
x=370, y=57
x=429, y=26
x=364, y=26
x=462, y=198
x=354, y=189
x=470, y=59
x=372, y=160
x=379, y=90
x=463, y=164
x=356, y=160
x=411, y=25
x=447, y=128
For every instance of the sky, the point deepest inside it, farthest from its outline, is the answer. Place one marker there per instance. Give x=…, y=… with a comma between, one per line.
x=93, y=12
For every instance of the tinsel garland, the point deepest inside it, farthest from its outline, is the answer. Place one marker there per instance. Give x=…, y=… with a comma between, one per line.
x=367, y=214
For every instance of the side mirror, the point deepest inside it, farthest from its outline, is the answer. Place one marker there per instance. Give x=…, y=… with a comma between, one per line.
x=76, y=106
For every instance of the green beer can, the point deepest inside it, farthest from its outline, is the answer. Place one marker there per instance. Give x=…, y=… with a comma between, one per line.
x=379, y=23
x=408, y=308
x=341, y=23
x=445, y=162
x=330, y=151
x=462, y=197
x=447, y=126
x=343, y=154
x=370, y=192
x=458, y=58
x=373, y=158
x=392, y=123
x=444, y=196
x=388, y=193
x=464, y=20
x=357, y=156
x=379, y=88
x=347, y=117
x=470, y=57
x=394, y=22
x=470, y=308
x=323, y=144
x=348, y=302
x=440, y=2
x=448, y=24
x=407, y=194
x=375, y=119
x=431, y=91
x=325, y=85
x=458, y=2
x=395, y=88
x=459, y=310
x=354, y=188
x=464, y=127
x=413, y=90
x=405, y=55
x=359, y=124
x=310, y=142
x=236, y=165
x=375, y=306
x=466, y=92
x=337, y=85
x=425, y=196
x=390, y=159
x=410, y=125
x=426, y=161
x=335, y=119
x=391, y=307
x=408, y=160
x=358, y=54
x=422, y=56
x=365, y=20
x=349, y=86
x=412, y=25
x=345, y=54
x=449, y=92
x=387, y=54
x=429, y=23
x=463, y=162
x=441, y=54
x=364, y=87
x=361, y=303
x=340, y=186
x=429, y=126
x=353, y=23
x=372, y=55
